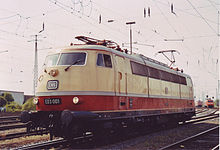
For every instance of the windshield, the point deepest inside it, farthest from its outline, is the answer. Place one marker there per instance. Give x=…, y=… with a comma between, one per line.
x=51, y=60
x=71, y=58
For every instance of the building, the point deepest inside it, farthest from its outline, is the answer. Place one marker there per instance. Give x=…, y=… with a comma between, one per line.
x=18, y=96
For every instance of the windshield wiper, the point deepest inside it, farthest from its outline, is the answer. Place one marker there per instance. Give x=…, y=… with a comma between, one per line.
x=76, y=62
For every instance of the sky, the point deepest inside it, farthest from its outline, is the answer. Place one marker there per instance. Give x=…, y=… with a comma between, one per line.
x=191, y=28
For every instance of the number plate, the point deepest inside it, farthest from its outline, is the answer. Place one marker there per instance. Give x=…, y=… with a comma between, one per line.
x=52, y=84
x=52, y=101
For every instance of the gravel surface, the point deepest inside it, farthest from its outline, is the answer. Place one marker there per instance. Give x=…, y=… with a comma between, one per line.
x=160, y=139
x=18, y=142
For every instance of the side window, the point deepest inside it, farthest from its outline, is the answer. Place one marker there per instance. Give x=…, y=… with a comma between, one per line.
x=138, y=69
x=164, y=75
x=182, y=80
x=104, y=60
x=174, y=78
x=100, y=61
x=107, y=60
x=154, y=73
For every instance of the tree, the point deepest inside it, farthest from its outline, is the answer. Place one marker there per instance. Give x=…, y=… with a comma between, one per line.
x=29, y=105
x=2, y=101
x=13, y=107
x=8, y=96
x=217, y=102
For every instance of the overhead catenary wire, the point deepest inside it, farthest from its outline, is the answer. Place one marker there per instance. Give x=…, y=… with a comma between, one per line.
x=201, y=16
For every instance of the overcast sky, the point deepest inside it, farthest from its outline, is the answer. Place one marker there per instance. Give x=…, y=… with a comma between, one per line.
x=191, y=28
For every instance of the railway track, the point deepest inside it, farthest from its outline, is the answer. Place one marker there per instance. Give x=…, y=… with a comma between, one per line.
x=20, y=134
x=43, y=145
x=9, y=120
x=208, y=139
x=55, y=143
x=11, y=123
x=201, y=110
x=205, y=111
x=211, y=115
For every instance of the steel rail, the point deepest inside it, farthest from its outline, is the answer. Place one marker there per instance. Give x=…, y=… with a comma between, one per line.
x=43, y=144
x=7, y=127
x=52, y=143
x=9, y=117
x=216, y=147
x=9, y=122
x=212, y=114
x=189, y=138
x=207, y=110
x=199, y=119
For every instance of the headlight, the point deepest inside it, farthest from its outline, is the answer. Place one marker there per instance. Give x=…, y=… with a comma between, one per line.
x=35, y=100
x=53, y=72
x=75, y=100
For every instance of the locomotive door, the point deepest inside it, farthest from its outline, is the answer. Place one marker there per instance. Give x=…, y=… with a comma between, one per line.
x=121, y=82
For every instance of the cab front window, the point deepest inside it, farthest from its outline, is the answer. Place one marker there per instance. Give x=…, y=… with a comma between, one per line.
x=72, y=59
x=51, y=60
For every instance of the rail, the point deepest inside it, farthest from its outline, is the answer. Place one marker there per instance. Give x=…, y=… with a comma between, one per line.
x=189, y=138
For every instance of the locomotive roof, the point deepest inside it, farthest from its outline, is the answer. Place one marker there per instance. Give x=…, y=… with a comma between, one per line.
x=134, y=57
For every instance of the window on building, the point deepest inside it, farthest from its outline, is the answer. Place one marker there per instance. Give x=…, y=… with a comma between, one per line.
x=138, y=69
x=104, y=60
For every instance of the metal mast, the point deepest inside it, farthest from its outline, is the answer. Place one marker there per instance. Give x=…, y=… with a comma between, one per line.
x=130, y=23
x=35, y=66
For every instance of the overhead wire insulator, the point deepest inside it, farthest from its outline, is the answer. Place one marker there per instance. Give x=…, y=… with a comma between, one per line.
x=148, y=11
x=100, y=19
x=172, y=9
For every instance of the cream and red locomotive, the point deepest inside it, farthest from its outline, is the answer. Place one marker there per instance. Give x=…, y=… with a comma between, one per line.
x=96, y=86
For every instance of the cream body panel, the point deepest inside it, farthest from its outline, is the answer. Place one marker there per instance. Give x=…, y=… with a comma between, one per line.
x=166, y=89
x=154, y=87
x=137, y=84
x=175, y=90
x=184, y=91
x=121, y=75
x=190, y=85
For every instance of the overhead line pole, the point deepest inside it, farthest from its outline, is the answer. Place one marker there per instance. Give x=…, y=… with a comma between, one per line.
x=35, y=66
x=36, y=61
x=130, y=23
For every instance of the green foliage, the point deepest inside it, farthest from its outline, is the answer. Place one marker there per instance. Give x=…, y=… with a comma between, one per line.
x=29, y=105
x=8, y=96
x=13, y=107
x=2, y=101
x=217, y=102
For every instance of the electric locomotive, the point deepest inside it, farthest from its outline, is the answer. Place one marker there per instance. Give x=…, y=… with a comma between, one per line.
x=199, y=103
x=96, y=87
x=209, y=103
